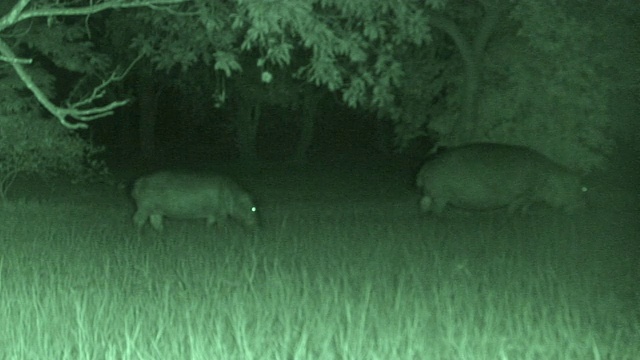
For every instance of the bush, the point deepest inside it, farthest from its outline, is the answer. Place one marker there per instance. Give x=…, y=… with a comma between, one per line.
x=30, y=144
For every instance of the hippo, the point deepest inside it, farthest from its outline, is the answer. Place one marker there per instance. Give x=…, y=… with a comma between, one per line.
x=485, y=176
x=190, y=196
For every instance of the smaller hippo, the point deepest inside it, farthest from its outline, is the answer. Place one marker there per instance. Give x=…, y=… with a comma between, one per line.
x=188, y=196
x=485, y=176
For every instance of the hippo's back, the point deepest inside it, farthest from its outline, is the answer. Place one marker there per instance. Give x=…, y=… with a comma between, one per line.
x=485, y=176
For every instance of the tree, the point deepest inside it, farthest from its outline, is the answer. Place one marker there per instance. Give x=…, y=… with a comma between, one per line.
x=42, y=38
x=284, y=94
x=522, y=73
x=451, y=68
x=486, y=80
x=347, y=47
x=174, y=46
x=33, y=145
x=64, y=45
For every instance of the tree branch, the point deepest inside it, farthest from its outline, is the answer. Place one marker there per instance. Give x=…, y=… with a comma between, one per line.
x=75, y=111
x=72, y=110
x=18, y=13
x=92, y=9
x=12, y=17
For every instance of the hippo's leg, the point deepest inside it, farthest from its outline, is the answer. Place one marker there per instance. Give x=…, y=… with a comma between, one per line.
x=139, y=218
x=425, y=203
x=439, y=206
x=521, y=205
x=156, y=221
x=212, y=220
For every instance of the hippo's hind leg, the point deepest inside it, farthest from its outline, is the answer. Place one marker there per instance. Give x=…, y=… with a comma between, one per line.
x=429, y=204
x=139, y=218
x=439, y=205
x=425, y=203
x=156, y=221
x=212, y=220
x=520, y=205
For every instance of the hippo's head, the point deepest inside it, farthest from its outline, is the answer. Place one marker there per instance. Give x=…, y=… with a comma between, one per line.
x=245, y=211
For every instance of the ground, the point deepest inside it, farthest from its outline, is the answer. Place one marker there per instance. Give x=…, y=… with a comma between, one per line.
x=343, y=266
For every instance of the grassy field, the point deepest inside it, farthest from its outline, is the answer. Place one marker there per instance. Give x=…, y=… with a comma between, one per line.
x=336, y=271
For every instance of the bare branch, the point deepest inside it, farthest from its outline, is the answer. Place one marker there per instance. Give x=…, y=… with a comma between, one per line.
x=15, y=60
x=72, y=110
x=75, y=110
x=18, y=12
x=92, y=9
x=12, y=17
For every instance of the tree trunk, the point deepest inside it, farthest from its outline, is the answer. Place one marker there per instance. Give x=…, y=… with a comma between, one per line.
x=247, y=131
x=472, y=54
x=383, y=135
x=148, y=110
x=308, y=114
x=125, y=136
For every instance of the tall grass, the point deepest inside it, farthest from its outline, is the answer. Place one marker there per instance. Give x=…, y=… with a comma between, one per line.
x=350, y=281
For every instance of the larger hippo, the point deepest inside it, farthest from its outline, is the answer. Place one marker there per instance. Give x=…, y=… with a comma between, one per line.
x=190, y=196
x=484, y=176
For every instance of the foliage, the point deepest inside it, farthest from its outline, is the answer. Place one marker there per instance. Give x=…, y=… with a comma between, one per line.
x=186, y=43
x=345, y=47
x=425, y=91
x=541, y=86
x=548, y=92
x=66, y=44
x=350, y=43
x=62, y=38
x=31, y=144
x=199, y=31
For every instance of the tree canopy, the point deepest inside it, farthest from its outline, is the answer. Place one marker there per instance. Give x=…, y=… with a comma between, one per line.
x=528, y=72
